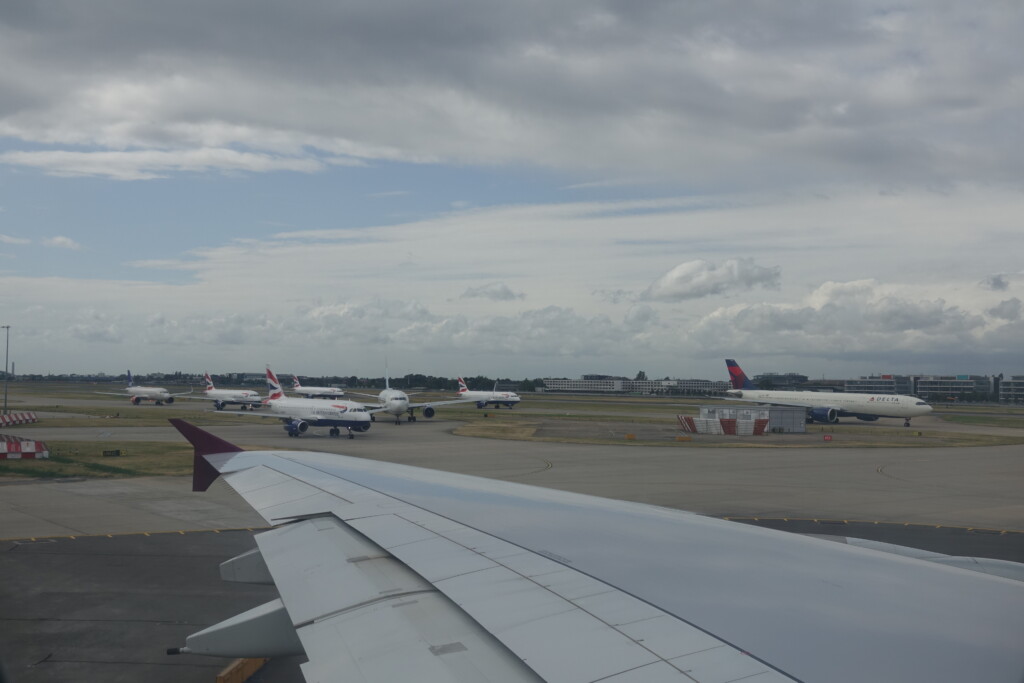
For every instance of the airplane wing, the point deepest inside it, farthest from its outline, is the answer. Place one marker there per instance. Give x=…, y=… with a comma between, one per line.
x=112, y=393
x=773, y=402
x=388, y=572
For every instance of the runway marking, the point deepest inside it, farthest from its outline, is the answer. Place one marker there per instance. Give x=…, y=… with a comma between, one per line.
x=980, y=530
x=131, y=533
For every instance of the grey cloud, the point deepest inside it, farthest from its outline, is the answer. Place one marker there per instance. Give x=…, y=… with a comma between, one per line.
x=700, y=278
x=1009, y=309
x=843, y=324
x=756, y=94
x=996, y=283
x=495, y=291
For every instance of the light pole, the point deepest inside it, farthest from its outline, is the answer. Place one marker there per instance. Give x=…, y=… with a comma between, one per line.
x=7, y=348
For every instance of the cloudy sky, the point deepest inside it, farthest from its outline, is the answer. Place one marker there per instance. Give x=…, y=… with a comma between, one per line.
x=516, y=189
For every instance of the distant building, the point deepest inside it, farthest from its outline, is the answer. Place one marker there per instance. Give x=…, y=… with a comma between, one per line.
x=621, y=385
x=880, y=384
x=1012, y=390
x=790, y=381
x=954, y=387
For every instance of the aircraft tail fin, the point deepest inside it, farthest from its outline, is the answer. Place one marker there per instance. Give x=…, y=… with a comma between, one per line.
x=462, y=386
x=737, y=377
x=130, y=382
x=274, y=390
x=209, y=381
x=204, y=443
x=295, y=382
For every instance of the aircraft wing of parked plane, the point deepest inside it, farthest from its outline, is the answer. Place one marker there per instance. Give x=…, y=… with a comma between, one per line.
x=389, y=572
x=827, y=407
x=138, y=394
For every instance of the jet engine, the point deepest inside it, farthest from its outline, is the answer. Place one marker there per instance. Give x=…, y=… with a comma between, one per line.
x=829, y=415
x=169, y=400
x=296, y=427
x=428, y=412
x=136, y=400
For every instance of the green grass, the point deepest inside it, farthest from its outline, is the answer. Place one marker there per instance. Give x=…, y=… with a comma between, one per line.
x=985, y=421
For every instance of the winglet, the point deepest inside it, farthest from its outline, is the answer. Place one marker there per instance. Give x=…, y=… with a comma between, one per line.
x=204, y=443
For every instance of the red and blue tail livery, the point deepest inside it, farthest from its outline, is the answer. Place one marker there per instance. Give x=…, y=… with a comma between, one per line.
x=737, y=377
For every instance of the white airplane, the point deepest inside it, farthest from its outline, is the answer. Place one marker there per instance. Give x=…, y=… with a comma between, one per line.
x=483, y=398
x=246, y=398
x=137, y=394
x=315, y=392
x=299, y=414
x=387, y=572
x=396, y=402
x=828, y=407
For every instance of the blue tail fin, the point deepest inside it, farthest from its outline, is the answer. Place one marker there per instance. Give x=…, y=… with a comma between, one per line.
x=737, y=377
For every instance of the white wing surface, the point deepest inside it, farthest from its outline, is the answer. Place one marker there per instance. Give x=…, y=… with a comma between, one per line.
x=388, y=572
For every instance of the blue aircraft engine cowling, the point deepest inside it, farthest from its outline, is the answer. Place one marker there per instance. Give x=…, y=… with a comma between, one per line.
x=296, y=427
x=828, y=415
x=428, y=412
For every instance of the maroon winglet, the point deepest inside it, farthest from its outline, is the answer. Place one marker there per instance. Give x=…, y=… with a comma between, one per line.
x=204, y=443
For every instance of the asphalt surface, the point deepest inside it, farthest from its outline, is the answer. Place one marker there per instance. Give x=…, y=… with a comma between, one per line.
x=108, y=584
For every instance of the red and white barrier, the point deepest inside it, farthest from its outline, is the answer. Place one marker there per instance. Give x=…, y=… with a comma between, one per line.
x=17, y=419
x=13, y=448
x=722, y=426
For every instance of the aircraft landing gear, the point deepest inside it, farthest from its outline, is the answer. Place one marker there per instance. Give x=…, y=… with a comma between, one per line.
x=906, y=423
x=335, y=431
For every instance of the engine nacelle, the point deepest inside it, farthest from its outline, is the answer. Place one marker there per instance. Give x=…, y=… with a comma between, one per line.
x=428, y=412
x=136, y=400
x=169, y=400
x=219, y=405
x=364, y=427
x=296, y=427
x=481, y=404
x=827, y=415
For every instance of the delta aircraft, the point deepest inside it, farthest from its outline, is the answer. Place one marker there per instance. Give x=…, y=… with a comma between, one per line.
x=483, y=398
x=246, y=398
x=137, y=394
x=299, y=414
x=396, y=402
x=822, y=407
x=315, y=392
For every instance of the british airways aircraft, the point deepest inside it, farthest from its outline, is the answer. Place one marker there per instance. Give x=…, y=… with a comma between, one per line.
x=299, y=414
x=137, y=394
x=483, y=398
x=827, y=407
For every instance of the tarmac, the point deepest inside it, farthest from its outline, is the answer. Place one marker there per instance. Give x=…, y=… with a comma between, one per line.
x=99, y=576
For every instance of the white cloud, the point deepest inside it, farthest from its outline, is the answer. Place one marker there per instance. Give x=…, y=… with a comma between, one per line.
x=700, y=278
x=8, y=239
x=61, y=242
x=150, y=164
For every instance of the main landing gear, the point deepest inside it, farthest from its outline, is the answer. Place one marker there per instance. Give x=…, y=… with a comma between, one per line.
x=337, y=432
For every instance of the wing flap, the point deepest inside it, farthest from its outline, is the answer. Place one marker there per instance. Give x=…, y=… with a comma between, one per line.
x=373, y=583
